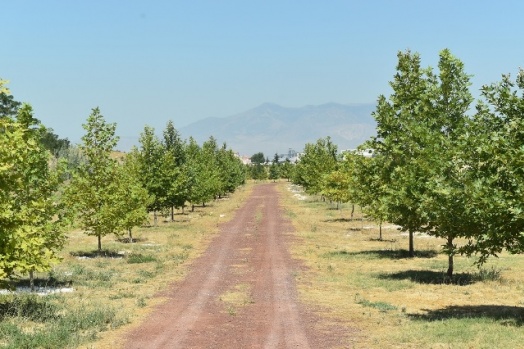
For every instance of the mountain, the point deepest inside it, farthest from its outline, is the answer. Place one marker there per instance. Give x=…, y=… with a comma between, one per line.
x=270, y=128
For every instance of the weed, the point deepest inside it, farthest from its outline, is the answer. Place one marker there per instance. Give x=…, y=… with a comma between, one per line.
x=146, y=274
x=27, y=306
x=54, y=325
x=231, y=310
x=381, y=306
x=491, y=274
x=136, y=258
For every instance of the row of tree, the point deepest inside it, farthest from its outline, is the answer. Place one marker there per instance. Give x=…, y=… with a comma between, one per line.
x=261, y=168
x=439, y=167
x=41, y=195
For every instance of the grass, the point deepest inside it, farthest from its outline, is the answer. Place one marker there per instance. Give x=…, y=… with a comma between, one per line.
x=114, y=289
x=236, y=297
x=393, y=301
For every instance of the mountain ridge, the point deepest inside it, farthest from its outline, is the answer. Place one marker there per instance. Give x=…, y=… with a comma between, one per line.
x=271, y=128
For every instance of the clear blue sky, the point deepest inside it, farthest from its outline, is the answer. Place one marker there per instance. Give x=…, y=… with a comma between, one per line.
x=146, y=62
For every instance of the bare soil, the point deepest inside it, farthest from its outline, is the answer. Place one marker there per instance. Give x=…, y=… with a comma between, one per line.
x=250, y=259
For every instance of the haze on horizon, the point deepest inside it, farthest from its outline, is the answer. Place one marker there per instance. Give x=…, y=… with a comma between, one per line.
x=152, y=61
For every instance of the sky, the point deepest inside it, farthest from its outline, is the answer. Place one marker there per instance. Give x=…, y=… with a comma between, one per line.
x=147, y=62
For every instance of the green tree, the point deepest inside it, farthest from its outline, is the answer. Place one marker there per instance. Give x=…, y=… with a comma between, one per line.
x=286, y=170
x=8, y=106
x=230, y=169
x=173, y=173
x=274, y=168
x=493, y=170
x=54, y=143
x=318, y=160
x=93, y=192
x=402, y=135
x=134, y=198
x=420, y=149
x=366, y=187
x=196, y=167
x=446, y=197
x=258, y=158
x=336, y=186
x=152, y=174
x=211, y=170
x=31, y=225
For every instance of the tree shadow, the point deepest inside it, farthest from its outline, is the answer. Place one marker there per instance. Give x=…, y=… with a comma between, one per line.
x=127, y=240
x=29, y=307
x=382, y=240
x=387, y=254
x=431, y=277
x=50, y=282
x=507, y=315
x=97, y=254
x=339, y=220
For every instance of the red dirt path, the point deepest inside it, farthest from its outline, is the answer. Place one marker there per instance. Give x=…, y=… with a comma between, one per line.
x=251, y=250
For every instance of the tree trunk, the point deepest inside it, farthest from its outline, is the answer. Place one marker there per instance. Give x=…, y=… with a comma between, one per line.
x=450, y=256
x=155, y=219
x=192, y=208
x=172, y=213
x=99, y=243
x=32, y=280
x=411, y=245
x=130, y=235
x=380, y=230
x=352, y=210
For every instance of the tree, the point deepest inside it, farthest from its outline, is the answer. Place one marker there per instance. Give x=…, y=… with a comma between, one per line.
x=318, y=160
x=230, y=169
x=174, y=160
x=151, y=167
x=258, y=158
x=93, y=192
x=420, y=148
x=274, y=168
x=196, y=169
x=493, y=170
x=401, y=138
x=134, y=198
x=31, y=226
x=211, y=169
x=336, y=186
x=8, y=106
x=53, y=143
x=446, y=197
x=286, y=170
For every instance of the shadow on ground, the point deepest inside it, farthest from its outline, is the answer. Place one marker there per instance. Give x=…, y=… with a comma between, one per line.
x=507, y=315
x=382, y=254
x=30, y=307
x=433, y=277
x=126, y=240
x=97, y=254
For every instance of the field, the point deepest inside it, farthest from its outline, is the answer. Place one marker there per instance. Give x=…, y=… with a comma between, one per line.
x=395, y=301
x=362, y=284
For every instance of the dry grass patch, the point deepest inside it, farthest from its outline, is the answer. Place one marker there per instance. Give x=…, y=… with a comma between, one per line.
x=396, y=301
x=237, y=297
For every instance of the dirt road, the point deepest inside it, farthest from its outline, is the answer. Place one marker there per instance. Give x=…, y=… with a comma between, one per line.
x=240, y=293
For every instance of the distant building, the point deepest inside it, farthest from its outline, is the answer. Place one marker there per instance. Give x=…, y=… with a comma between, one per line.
x=246, y=160
x=291, y=155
